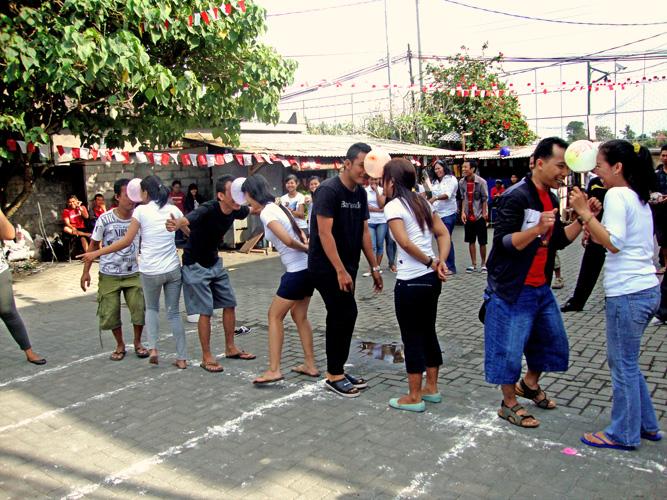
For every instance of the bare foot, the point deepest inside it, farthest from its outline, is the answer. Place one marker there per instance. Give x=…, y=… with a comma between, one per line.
x=409, y=400
x=181, y=364
x=268, y=376
x=304, y=369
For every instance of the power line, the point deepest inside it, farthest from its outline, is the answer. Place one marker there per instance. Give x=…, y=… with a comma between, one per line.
x=320, y=9
x=546, y=20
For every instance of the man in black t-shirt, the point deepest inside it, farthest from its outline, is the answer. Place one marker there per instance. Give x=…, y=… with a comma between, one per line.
x=206, y=284
x=338, y=233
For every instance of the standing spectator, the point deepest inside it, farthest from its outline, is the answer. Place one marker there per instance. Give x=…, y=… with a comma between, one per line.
x=296, y=285
x=339, y=232
x=75, y=216
x=659, y=209
x=514, y=179
x=474, y=213
x=294, y=201
x=177, y=196
x=445, y=186
x=522, y=315
x=313, y=184
x=413, y=224
x=592, y=261
x=496, y=191
x=8, y=312
x=377, y=224
x=206, y=283
x=193, y=199
x=119, y=273
x=159, y=266
x=99, y=205
x=632, y=293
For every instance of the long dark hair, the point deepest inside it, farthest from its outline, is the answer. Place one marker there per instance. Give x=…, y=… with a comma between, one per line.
x=637, y=166
x=446, y=168
x=259, y=190
x=403, y=173
x=157, y=192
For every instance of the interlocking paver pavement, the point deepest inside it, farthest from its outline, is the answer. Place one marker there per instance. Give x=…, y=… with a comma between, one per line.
x=85, y=426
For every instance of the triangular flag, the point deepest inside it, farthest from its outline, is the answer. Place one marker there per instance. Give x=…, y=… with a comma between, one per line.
x=150, y=157
x=193, y=159
x=174, y=156
x=189, y=20
x=267, y=159
x=247, y=160
x=216, y=13
x=228, y=9
x=239, y=158
x=126, y=156
x=258, y=157
x=185, y=159
x=165, y=159
x=241, y=4
x=85, y=153
x=210, y=160
x=11, y=145
x=118, y=155
x=157, y=158
x=285, y=163
x=219, y=159
x=22, y=146
x=197, y=18
x=201, y=160
x=76, y=153
x=44, y=151
x=31, y=148
x=228, y=157
x=108, y=155
x=204, y=17
x=94, y=153
x=140, y=157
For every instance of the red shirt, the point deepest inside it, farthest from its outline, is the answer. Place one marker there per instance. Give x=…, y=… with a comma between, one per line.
x=98, y=211
x=177, y=199
x=497, y=191
x=470, y=188
x=75, y=217
x=536, y=276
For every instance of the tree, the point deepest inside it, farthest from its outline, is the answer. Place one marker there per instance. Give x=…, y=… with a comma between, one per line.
x=456, y=103
x=576, y=131
x=628, y=134
x=603, y=133
x=137, y=71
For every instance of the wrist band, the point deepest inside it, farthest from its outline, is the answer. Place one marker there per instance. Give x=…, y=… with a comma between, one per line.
x=430, y=262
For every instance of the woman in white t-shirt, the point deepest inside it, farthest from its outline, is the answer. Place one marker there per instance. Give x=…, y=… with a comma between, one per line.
x=313, y=183
x=159, y=265
x=443, y=198
x=377, y=224
x=632, y=294
x=294, y=201
x=296, y=287
x=413, y=224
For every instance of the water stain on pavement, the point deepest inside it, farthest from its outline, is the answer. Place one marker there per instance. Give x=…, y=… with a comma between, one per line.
x=391, y=353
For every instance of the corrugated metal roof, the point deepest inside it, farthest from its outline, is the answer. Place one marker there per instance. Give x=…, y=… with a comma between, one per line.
x=494, y=154
x=307, y=145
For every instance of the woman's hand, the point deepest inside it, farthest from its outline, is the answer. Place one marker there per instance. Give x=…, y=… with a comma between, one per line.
x=579, y=201
x=595, y=206
x=440, y=268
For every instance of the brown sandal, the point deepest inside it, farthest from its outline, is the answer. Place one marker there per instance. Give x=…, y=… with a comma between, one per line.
x=538, y=396
x=513, y=417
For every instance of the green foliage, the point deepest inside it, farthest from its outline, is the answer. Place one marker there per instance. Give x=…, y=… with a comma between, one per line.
x=491, y=120
x=604, y=133
x=111, y=69
x=402, y=128
x=628, y=134
x=576, y=131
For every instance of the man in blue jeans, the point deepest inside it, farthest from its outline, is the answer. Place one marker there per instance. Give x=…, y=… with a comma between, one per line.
x=522, y=315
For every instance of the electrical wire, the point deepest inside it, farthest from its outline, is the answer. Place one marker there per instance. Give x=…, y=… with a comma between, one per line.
x=320, y=9
x=546, y=20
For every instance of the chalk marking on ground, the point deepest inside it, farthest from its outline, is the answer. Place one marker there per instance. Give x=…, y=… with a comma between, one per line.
x=217, y=431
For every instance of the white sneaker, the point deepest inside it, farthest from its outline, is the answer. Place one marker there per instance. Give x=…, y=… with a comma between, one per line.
x=470, y=269
x=366, y=275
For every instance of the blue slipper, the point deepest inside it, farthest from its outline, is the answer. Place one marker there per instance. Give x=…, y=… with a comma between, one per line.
x=605, y=442
x=432, y=398
x=418, y=407
x=656, y=436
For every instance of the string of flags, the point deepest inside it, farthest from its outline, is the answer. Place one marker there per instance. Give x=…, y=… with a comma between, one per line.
x=67, y=154
x=206, y=16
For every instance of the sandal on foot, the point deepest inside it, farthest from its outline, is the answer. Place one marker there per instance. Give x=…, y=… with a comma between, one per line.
x=118, y=355
x=241, y=355
x=141, y=352
x=177, y=365
x=523, y=391
x=265, y=381
x=600, y=440
x=417, y=407
x=212, y=367
x=301, y=371
x=651, y=436
x=153, y=360
x=432, y=398
x=358, y=382
x=513, y=417
x=343, y=387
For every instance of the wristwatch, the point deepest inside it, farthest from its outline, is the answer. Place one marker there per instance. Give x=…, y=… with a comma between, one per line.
x=375, y=269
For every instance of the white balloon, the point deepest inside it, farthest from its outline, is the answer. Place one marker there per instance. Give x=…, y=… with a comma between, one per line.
x=580, y=156
x=237, y=195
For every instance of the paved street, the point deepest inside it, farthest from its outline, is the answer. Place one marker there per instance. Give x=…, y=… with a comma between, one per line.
x=84, y=426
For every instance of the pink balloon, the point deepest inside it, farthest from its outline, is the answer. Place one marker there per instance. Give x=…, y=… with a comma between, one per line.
x=134, y=190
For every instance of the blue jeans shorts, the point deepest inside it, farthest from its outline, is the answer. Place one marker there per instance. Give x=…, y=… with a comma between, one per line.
x=206, y=289
x=532, y=326
x=296, y=286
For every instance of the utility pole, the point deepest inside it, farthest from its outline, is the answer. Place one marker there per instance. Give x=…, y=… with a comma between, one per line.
x=536, y=114
x=386, y=38
x=412, y=92
x=419, y=56
x=588, y=98
x=643, y=95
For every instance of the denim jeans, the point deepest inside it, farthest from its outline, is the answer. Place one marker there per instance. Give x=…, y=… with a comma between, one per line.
x=8, y=312
x=391, y=249
x=153, y=285
x=532, y=326
x=450, y=221
x=378, y=235
x=632, y=410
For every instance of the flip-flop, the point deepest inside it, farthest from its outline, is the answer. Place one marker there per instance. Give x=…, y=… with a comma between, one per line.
x=241, y=355
x=175, y=363
x=605, y=442
x=117, y=356
x=651, y=436
x=212, y=367
x=304, y=372
x=267, y=381
x=141, y=352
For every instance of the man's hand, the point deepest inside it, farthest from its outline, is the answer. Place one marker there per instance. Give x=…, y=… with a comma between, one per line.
x=172, y=224
x=463, y=217
x=377, y=281
x=547, y=220
x=345, y=282
x=88, y=257
x=594, y=206
x=85, y=281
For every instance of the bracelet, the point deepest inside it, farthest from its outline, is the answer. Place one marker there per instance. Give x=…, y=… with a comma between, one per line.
x=430, y=262
x=581, y=220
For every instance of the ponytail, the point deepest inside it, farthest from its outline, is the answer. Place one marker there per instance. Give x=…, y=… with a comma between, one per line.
x=293, y=223
x=637, y=165
x=157, y=192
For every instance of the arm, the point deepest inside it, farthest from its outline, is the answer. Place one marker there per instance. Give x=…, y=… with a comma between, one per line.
x=278, y=229
x=7, y=231
x=124, y=242
x=85, y=275
x=325, y=226
x=367, y=247
x=84, y=212
x=300, y=212
x=485, y=200
x=397, y=227
x=598, y=232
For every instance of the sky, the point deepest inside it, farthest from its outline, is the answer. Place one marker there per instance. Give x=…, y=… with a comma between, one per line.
x=330, y=38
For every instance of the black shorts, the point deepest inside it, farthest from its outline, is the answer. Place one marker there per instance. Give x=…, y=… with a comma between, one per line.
x=475, y=231
x=296, y=286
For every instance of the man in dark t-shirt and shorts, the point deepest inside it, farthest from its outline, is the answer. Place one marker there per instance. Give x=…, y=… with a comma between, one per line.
x=338, y=232
x=206, y=284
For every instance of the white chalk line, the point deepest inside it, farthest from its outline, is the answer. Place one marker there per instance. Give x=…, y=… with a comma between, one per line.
x=217, y=431
x=82, y=403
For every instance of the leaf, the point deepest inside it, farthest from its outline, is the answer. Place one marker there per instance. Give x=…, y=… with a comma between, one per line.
x=113, y=113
